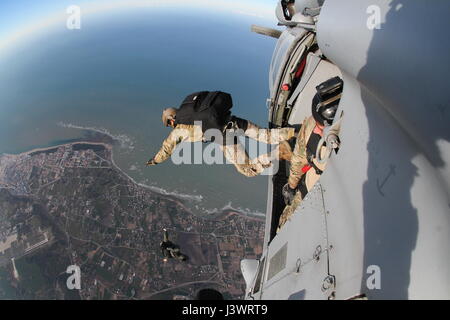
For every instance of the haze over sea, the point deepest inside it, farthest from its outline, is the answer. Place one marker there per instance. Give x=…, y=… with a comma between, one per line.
x=115, y=75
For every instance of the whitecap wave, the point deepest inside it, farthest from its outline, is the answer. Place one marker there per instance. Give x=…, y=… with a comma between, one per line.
x=183, y=196
x=124, y=140
x=229, y=207
x=199, y=198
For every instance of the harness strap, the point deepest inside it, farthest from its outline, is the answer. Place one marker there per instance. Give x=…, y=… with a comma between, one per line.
x=307, y=167
x=312, y=164
x=311, y=65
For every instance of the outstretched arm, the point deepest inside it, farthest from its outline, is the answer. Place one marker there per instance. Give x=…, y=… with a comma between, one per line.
x=170, y=143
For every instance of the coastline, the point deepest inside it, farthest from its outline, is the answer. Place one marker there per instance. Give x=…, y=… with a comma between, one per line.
x=222, y=214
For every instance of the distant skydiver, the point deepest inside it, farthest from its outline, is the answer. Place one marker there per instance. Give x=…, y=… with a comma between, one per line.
x=170, y=250
x=305, y=170
x=212, y=110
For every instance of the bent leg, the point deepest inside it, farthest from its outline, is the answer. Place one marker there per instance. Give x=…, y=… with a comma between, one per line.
x=281, y=152
x=236, y=154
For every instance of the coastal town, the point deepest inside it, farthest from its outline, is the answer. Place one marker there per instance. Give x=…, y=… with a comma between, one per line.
x=70, y=205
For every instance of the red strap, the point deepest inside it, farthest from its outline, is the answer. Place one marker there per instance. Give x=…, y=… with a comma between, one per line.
x=306, y=168
x=300, y=69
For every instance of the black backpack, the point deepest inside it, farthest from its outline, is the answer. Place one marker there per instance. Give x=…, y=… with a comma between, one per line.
x=211, y=108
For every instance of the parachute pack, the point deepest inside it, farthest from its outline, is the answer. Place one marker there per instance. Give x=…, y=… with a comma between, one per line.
x=213, y=109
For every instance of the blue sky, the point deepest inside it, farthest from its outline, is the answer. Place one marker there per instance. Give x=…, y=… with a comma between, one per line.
x=15, y=14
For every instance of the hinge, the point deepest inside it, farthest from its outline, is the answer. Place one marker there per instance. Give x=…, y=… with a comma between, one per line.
x=269, y=104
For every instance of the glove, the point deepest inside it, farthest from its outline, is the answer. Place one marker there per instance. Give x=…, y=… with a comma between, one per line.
x=151, y=162
x=333, y=141
x=288, y=194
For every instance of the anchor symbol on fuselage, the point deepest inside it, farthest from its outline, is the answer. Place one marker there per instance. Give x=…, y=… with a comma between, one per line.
x=391, y=173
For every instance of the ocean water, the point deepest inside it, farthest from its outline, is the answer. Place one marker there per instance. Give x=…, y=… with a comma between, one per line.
x=118, y=72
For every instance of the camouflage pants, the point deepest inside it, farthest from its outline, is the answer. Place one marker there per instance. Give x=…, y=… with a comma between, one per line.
x=289, y=210
x=237, y=155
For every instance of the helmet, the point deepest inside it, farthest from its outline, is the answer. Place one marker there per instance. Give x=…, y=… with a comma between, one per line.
x=168, y=114
x=324, y=114
x=326, y=101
